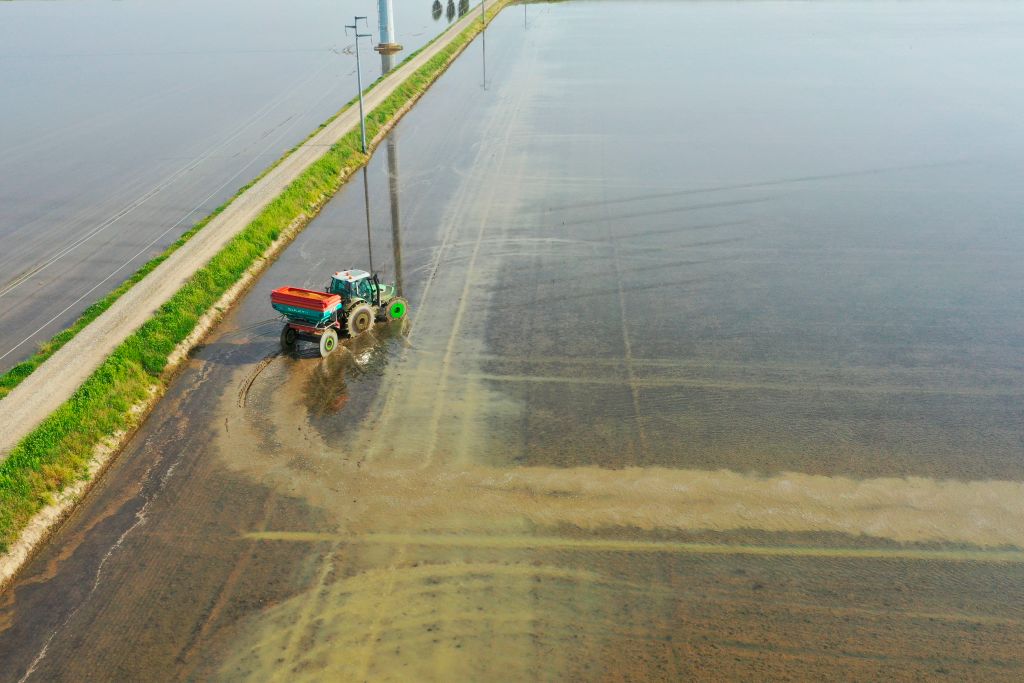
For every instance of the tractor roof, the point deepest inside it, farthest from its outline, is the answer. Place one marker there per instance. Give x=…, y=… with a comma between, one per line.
x=351, y=275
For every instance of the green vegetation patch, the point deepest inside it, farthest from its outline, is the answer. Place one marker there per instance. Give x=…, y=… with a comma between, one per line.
x=59, y=450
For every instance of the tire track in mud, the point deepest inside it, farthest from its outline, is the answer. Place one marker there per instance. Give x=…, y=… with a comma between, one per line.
x=400, y=613
x=390, y=393
x=983, y=515
x=427, y=606
x=466, y=417
x=444, y=606
x=246, y=385
x=386, y=605
x=627, y=346
x=649, y=547
x=381, y=416
x=203, y=629
x=166, y=465
x=179, y=449
x=394, y=397
x=450, y=608
x=309, y=603
x=648, y=382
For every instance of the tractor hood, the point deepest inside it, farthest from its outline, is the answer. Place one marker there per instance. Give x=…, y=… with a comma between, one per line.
x=386, y=292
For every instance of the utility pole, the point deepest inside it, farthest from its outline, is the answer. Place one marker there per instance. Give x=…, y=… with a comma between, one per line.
x=385, y=12
x=359, y=74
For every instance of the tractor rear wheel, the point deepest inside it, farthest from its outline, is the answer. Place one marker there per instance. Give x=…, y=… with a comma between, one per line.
x=360, y=319
x=288, y=338
x=328, y=342
x=396, y=309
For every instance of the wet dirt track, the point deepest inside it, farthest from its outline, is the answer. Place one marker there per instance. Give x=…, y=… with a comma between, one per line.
x=672, y=403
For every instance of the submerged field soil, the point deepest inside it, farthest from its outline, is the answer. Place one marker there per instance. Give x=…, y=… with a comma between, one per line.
x=721, y=379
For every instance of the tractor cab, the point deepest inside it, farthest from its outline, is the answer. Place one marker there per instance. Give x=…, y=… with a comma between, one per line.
x=353, y=284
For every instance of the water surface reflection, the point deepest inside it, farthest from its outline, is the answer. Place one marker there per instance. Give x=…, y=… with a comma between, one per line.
x=716, y=381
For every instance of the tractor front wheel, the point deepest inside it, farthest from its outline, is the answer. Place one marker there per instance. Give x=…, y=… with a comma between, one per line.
x=328, y=342
x=288, y=338
x=396, y=309
x=360, y=319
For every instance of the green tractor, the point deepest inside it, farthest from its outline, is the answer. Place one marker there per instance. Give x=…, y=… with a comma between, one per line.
x=365, y=299
x=352, y=302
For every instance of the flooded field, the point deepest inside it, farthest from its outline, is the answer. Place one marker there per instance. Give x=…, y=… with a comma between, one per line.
x=123, y=123
x=713, y=370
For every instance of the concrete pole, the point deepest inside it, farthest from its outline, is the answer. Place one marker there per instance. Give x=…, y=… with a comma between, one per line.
x=386, y=12
x=387, y=24
x=359, y=82
x=359, y=77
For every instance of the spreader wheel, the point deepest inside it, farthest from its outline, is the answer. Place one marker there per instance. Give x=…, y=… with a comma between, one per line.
x=360, y=319
x=328, y=342
x=288, y=338
x=396, y=309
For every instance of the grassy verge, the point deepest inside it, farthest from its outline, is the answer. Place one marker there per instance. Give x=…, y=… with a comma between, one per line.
x=58, y=451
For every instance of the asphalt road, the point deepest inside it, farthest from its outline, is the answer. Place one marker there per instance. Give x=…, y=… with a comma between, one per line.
x=636, y=427
x=124, y=124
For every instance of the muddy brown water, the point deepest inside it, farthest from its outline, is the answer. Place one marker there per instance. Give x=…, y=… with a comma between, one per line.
x=716, y=380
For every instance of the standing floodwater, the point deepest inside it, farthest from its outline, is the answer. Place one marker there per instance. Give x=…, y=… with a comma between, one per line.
x=713, y=370
x=124, y=123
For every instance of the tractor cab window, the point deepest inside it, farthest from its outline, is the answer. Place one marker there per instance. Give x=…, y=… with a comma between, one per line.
x=363, y=289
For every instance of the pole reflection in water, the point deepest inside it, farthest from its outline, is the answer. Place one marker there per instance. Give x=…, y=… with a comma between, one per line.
x=396, y=230
x=386, y=64
x=366, y=204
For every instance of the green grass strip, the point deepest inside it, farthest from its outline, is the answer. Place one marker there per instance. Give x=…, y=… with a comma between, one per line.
x=59, y=450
